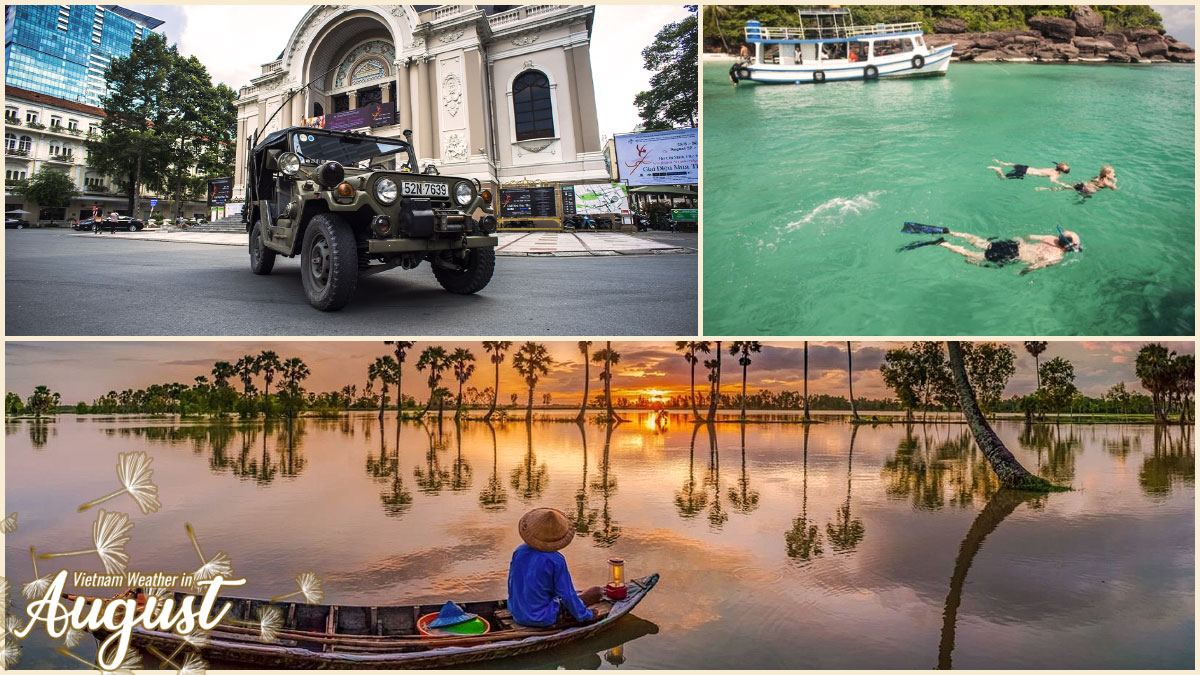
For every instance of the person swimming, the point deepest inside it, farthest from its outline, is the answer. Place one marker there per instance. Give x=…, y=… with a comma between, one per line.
x=1106, y=179
x=1021, y=170
x=1036, y=250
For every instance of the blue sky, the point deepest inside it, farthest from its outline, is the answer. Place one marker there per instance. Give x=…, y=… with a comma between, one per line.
x=233, y=41
x=1180, y=21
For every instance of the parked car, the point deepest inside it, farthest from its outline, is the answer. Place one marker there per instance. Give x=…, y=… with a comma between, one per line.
x=82, y=225
x=17, y=223
x=126, y=223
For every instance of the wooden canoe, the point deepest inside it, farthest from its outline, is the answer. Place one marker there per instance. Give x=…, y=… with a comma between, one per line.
x=343, y=636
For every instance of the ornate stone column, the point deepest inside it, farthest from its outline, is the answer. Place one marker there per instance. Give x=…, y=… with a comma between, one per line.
x=403, y=105
x=299, y=110
x=433, y=100
x=590, y=141
x=424, y=123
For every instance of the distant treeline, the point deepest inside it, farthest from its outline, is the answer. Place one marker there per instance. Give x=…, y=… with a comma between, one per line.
x=728, y=21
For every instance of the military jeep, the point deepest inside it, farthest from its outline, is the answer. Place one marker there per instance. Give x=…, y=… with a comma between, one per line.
x=352, y=205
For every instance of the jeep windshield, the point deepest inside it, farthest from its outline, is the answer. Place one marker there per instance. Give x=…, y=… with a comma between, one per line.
x=347, y=150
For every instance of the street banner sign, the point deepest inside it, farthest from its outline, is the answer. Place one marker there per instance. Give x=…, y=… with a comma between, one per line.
x=594, y=199
x=220, y=190
x=374, y=115
x=153, y=203
x=659, y=157
x=685, y=215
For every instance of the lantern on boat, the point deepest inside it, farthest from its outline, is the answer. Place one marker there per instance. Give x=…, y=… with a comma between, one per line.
x=616, y=655
x=615, y=590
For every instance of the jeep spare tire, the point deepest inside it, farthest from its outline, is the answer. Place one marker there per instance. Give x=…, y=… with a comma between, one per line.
x=262, y=259
x=469, y=275
x=329, y=262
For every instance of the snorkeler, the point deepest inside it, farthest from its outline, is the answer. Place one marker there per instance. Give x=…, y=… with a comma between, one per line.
x=1021, y=170
x=1106, y=179
x=1036, y=250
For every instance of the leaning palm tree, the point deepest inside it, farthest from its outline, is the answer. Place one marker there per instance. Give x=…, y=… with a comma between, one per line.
x=1010, y=472
x=745, y=348
x=435, y=360
x=400, y=349
x=584, y=346
x=690, y=349
x=714, y=378
x=718, y=11
x=497, y=349
x=609, y=357
x=1035, y=349
x=850, y=380
x=462, y=361
x=532, y=361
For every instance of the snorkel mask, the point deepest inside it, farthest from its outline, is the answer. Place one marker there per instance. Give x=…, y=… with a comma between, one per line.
x=1067, y=243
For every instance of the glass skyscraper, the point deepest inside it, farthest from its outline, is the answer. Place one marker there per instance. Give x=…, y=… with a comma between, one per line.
x=63, y=50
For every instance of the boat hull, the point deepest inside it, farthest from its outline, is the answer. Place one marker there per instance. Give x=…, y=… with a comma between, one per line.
x=936, y=63
x=372, y=652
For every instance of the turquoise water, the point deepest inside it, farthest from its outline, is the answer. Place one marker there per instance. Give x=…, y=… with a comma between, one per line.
x=806, y=188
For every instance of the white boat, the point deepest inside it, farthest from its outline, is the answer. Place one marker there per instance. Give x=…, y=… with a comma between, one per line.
x=830, y=49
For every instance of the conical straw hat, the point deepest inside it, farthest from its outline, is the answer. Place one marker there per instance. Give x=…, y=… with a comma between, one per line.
x=546, y=529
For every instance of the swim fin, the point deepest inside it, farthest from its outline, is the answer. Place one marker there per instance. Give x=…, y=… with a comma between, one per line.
x=919, y=244
x=919, y=228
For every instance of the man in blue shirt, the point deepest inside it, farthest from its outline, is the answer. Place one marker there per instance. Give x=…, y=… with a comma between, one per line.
x=540, y=590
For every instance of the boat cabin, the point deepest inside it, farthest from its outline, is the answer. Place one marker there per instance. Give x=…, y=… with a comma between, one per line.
x=828, y=35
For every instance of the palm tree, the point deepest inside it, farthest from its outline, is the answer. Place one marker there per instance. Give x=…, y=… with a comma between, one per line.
x=435, y=359
x=689, y=349
x=807, y=418
x=384, y=369
x=609, y=357
x=268, y=364
x=717, y=11
x=532, y=361
x=1035, y=349
x=745, y=348
x=1010, y=472
x=400, y=349
x=714, y=377
x=462, y=361
x=496, y=348
x=246, y=371
x=584, y=346
x=222, y=371
x=850, y=379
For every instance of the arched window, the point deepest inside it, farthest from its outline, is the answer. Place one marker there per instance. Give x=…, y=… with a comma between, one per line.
x=532, y=110
x=10, y=141
x=318, y=110
x=26, y=143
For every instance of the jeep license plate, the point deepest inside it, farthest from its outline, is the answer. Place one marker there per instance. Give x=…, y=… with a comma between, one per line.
x=415, y=189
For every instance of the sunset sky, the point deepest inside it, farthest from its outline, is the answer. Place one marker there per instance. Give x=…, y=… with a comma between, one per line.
x=83, y=371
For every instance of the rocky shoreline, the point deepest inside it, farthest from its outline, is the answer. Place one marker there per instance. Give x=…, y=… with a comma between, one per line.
x=1080, y=38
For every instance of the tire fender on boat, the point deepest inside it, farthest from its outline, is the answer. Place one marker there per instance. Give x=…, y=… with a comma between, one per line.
x=733, y=74
x=870, y=73
x=743, y=73
x=918, y=62
x=818, y=76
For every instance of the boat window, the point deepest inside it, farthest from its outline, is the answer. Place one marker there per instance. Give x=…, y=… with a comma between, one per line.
x=890, y=46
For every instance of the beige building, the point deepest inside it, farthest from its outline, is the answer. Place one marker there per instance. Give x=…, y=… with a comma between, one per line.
x=43, y=131
x=498, y=93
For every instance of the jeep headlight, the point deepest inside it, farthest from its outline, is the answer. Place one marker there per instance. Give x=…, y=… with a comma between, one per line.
x=462, y=193
x=289, y=163
x=386, y=190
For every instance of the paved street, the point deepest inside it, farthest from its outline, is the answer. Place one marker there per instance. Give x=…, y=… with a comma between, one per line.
x=58, y=283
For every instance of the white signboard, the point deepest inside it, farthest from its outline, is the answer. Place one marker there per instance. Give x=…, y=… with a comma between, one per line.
x=601, y=198
x=659, y=157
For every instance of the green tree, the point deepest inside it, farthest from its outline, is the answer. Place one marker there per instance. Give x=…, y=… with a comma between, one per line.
x=136, y=134
x=293, y=371
x=672, y=99
x=532, y=361
x=267, y=363
x=496, y=349
x=990, y=365
x=435, y=360
x=1153, y=367
x=13, y=405
x=1058, y=382
x=42, y=401
x=463, y=363
x=201, y=123
x=49, y=188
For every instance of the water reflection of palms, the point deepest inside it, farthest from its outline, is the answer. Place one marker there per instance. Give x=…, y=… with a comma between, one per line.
x=39, y=433
x=922, y=471
x=397, y=499
x=291, y=459
x=1060, y=452
x=804, y=539
x=712, y=478
x=529, y=479
x=1173, y=461
x=493, y=497
x=382, y=468
x=433, y=477
x=609, y=531
x=460, y=470
x=584, y=518
x=744, y=498
x=688, y=500
x=999, y=507
x=846, y=532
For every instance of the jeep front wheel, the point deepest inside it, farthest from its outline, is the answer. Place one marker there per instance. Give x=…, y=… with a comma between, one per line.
x=262, y=259
x=469, y=275
x=329, y=262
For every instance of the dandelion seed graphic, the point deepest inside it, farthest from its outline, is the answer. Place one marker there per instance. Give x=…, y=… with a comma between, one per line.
x=73, y=637
x=270, y=621
x=9, y=524
x=10, y=653
x=192, y=664
x=197, y=639
x=13, y=624
x=109, y=534
x=310, y=588
x=132, y=662
x=37, y=588
x=220, y=564
x=134, y=472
